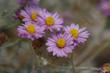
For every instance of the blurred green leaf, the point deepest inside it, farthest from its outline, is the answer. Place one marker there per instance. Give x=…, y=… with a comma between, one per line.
x=108, y=23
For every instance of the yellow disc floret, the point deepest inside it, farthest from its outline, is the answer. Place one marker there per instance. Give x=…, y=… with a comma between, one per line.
x=50, y=21
x=74, y=33
x=61, y=42
x=30, y=28
x=34, y=15
x=106, y=68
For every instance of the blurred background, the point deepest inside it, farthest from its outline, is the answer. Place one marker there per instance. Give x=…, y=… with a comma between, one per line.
x=16, y=55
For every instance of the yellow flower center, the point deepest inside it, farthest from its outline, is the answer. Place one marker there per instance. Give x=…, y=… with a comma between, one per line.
x=30, y=28
x=106, y=68
x=34, y=15
x=74, y=33
x=61, y=42
x=50, y=21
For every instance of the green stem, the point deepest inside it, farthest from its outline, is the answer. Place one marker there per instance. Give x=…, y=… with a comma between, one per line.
x=34, y=61
x=73, y=66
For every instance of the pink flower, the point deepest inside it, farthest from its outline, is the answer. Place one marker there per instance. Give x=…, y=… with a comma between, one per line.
x=105, y=7
x=79, y=35
x=105, y=68
x=30, y=31
x=30, y=14
x=60, y=45
x=23, y=2
x=51, y=21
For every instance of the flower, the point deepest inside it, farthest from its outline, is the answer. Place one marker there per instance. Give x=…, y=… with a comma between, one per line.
x=105, y=68
x=79, y=35
x=51, y=21
x=30, y=14
x=105, y=7
x=61, y=45
x=24, y=2
x=30, y=31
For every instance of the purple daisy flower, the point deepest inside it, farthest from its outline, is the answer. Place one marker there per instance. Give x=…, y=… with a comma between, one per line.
x=30, y=14
x=79, y=35
x=105, y=68
x=30, y=31
x=23, y=2
x=51, y=21
x=60, y=45
x=105, y=7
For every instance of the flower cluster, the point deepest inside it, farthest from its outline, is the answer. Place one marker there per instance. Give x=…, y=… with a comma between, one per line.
x=38, y=22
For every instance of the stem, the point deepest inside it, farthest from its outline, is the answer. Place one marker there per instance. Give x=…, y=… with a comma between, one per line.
x=87, y=68
x=33, y=69
x=73, y=66
x=34, y=61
